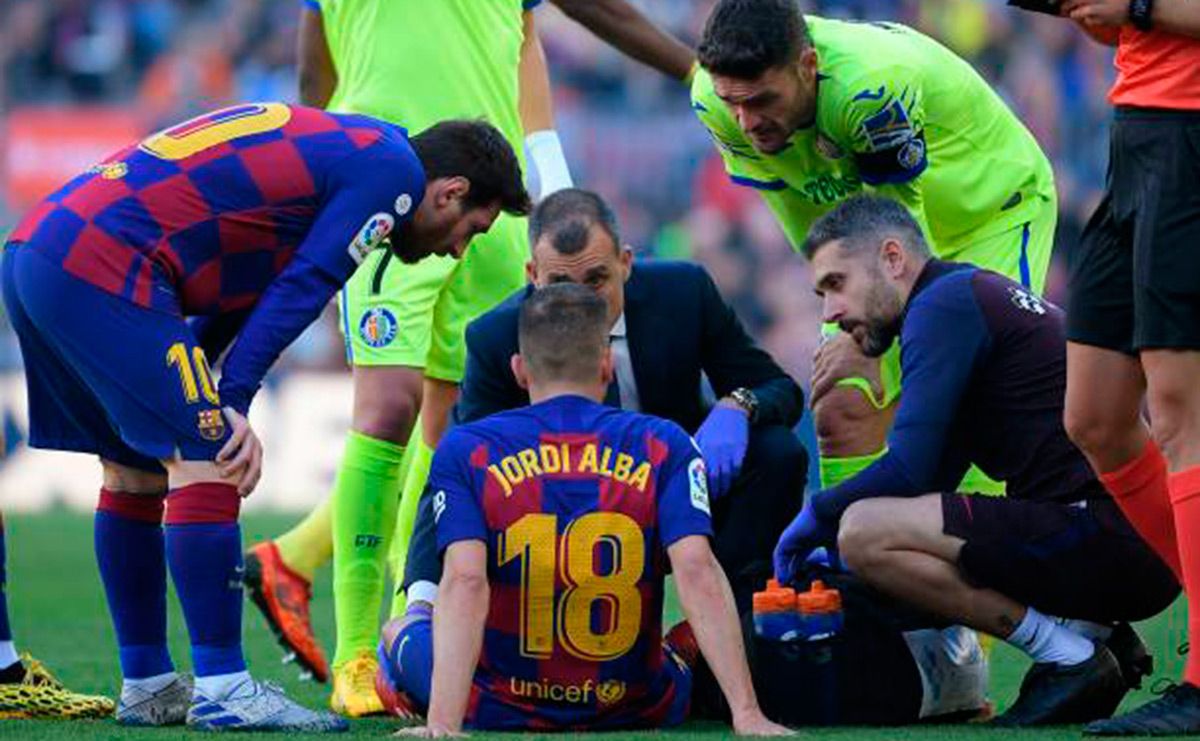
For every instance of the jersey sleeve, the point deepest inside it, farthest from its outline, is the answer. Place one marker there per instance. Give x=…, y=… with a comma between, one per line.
x=356, y=217
x=880, y=119
x=457, y=510
x=683, y=505
x=943, y=342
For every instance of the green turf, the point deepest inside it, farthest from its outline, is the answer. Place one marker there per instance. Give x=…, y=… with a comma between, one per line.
x=58, y=613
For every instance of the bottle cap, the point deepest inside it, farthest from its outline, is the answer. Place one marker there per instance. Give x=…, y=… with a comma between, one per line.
x=818, y=599
x=775, y=598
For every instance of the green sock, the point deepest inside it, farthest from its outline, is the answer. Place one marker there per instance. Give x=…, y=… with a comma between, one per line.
x=365, y=496
x=309, y=545
x=419, y=456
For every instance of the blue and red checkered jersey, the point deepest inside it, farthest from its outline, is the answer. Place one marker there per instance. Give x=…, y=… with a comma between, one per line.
x=265, y=209
x=577, y=503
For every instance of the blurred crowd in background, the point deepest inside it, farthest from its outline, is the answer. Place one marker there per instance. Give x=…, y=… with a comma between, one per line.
x=628, y=132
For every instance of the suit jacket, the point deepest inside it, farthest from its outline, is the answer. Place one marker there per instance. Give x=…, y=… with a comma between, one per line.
x=677, y=325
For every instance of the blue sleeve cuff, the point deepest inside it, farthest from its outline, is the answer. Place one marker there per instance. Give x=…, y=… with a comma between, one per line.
x=314, y=5
x=758, y=184
x=531, y=4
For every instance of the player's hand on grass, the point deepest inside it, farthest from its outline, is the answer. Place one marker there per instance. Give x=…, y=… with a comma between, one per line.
x=1092, y=13
x=840, y=357
x=429, y=732
x=756, y=724
x=722, y=439
x=241, y=457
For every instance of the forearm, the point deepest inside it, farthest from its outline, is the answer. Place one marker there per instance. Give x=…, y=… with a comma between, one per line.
x=536, y=103
x=317, y=77
x=1178, y=16
x=458, y=624
x=626, y=28
x=707, y=603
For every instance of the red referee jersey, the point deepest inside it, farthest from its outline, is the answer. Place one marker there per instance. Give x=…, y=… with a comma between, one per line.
x=1156, y=69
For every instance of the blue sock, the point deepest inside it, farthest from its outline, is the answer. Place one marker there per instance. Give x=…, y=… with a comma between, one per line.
x=5, y=628
x=204, y=553
x=408, y=661
x=129, y=551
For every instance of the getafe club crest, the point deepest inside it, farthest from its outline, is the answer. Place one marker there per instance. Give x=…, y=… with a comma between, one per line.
x=377, y=327
x=911, y=154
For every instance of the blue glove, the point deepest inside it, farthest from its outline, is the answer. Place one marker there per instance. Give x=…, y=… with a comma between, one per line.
x=806, y=533
x=722, y=440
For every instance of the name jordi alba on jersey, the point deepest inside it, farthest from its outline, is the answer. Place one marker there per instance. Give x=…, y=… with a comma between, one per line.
x=567, y=459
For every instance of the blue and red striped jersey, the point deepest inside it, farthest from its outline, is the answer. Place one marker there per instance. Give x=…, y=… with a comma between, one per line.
x=213, y=216
x=577, y=503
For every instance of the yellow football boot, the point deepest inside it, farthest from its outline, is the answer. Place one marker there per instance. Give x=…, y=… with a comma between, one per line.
x=41, y=695
x=354, y=693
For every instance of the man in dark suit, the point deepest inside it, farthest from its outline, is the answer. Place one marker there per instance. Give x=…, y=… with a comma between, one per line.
x=669, y=325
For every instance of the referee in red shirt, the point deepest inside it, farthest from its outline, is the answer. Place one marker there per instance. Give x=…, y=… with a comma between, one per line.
x=1133, y=320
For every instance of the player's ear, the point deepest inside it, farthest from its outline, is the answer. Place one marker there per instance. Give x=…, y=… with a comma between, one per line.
x=531, y=272
x=806, y=64
x=452, y=189
x=517, y=363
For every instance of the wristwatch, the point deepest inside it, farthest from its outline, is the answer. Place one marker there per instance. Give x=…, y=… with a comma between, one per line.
x=746, y=399
x=1141, y=14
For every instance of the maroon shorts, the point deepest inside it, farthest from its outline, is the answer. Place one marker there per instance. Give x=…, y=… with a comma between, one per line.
x=1080, y=560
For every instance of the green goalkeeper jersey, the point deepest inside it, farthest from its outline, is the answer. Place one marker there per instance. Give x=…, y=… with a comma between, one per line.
x=901, y=115
x=417, y=62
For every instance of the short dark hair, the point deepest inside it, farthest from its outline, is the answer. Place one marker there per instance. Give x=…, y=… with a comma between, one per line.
x=567, y=217
x=861, y=221
x=745, y=38
x=563, y=330
x=477, y=151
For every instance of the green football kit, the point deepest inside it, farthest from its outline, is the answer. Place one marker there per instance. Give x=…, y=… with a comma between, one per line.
x=413, y=63
x=900, y=115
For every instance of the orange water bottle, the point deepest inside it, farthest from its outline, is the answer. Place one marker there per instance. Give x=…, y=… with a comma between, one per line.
x=775, y=615
x=819, y=612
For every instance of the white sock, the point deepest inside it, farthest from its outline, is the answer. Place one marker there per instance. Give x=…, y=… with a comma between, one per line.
x=149, y=684
x=8, y=654
x=1048, y=642
x=1086, y=628
x=219, y=686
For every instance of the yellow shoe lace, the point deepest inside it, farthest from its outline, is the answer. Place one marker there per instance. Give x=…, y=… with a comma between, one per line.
x=38, y=675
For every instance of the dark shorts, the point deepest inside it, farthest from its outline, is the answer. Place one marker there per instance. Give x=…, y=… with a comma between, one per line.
x=1135, y=277
x=1080, y=560
x=105, y=375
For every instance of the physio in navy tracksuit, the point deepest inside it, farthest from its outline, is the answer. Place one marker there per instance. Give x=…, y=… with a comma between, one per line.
x=1053, y=567
x=670, y=325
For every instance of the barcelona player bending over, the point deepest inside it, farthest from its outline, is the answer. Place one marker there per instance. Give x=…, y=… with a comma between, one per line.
x=556, y=523
x=252, y=218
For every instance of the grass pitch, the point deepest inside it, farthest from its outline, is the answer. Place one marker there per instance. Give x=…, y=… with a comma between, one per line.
x=58, y=613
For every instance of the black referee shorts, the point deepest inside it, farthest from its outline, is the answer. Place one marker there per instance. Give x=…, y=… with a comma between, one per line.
x=1135, y=278
x=1080, y=560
